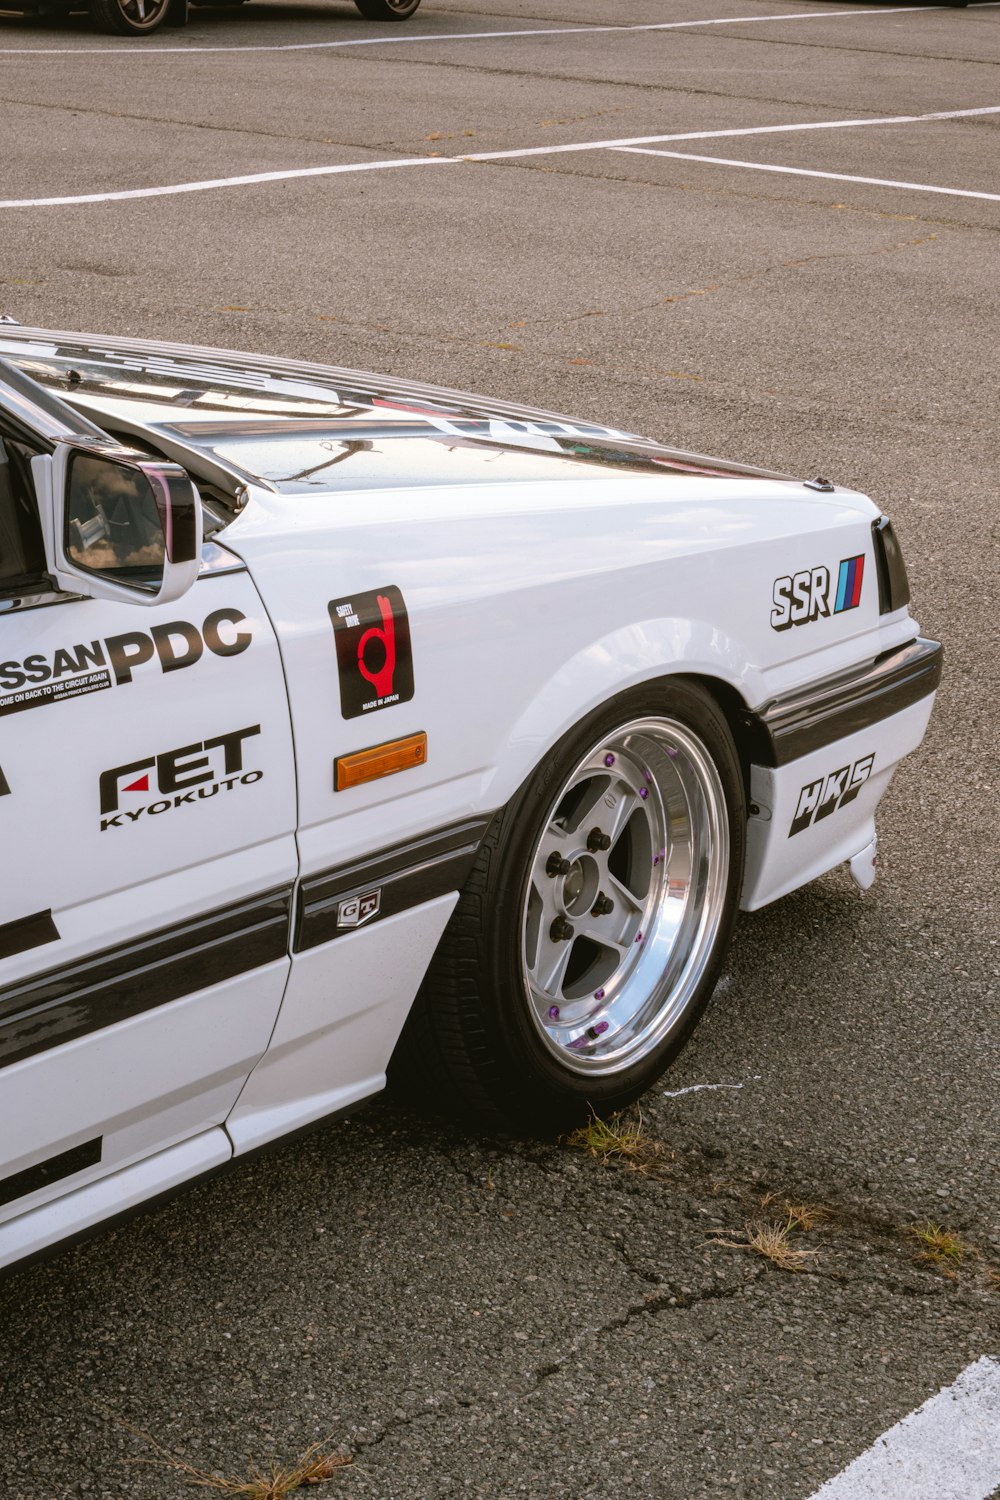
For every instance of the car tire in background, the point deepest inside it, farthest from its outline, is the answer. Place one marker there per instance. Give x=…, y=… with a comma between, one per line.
x=386, y=10
x=590, y=933
x=129, y=17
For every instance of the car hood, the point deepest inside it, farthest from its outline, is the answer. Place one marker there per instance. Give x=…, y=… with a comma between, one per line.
x=296, y=427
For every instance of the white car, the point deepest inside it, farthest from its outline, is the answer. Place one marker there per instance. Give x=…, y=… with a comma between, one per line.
x=385, y=721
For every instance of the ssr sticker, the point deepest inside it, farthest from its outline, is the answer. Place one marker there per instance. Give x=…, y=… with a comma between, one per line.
x=190, y=774
x=800, y=598
x=89, y=666
x=818, y=799
x=374, y=658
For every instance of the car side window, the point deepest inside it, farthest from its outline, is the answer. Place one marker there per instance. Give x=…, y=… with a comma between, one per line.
x=22, y=557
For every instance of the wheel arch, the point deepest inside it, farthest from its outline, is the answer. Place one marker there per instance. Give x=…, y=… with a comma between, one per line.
x=631, y=657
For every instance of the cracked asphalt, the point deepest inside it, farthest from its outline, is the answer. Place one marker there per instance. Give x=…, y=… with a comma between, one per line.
x=477, y=1316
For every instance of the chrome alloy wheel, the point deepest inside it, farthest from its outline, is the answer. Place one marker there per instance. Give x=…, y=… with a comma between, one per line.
x=142, y=15
x=625, y=897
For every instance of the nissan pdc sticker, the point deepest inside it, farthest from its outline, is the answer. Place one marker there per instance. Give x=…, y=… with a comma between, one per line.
x=89, y=666
x=374, y=659
x=800, y=598
x=190, y=774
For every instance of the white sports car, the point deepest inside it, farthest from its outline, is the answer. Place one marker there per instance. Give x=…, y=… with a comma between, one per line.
x=393, y=723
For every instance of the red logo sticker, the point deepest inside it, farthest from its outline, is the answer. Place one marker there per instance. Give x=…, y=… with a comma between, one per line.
x=374, y=659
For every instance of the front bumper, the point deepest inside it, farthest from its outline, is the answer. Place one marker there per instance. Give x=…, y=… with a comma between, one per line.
x=821, y=759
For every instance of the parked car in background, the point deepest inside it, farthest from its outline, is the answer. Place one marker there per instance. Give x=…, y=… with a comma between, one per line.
x=141, y=17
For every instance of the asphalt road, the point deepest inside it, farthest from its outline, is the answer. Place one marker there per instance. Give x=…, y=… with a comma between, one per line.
x=483, y=1317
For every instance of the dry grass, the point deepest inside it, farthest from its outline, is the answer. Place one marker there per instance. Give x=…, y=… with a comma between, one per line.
x=773, y=1240
x=315, y=1466
x=940, y=1247
x=806, y=1216
x=616, y=1139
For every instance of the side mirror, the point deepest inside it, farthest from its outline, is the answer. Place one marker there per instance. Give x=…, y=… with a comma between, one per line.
x=119, y=525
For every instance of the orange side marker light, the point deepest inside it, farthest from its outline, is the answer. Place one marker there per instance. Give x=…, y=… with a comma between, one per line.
x=379, y=760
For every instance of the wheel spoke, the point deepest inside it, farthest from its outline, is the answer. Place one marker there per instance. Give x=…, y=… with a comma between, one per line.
x=550, y=966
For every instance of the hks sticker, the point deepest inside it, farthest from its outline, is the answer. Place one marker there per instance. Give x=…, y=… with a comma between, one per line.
x=189, y=774
x=818, y=799
x=89, y=666
x=800, y=598
x=374, y=658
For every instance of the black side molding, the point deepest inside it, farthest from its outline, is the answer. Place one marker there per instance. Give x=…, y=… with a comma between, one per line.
x=53, y=1169
x=27, y=932
x=48, y=1009
x=404, y=876
x=800, y=722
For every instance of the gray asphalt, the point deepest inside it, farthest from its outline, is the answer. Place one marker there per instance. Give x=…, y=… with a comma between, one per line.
x=474, y=1316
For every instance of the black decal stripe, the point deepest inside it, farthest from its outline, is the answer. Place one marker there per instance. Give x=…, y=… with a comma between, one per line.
x=801, y=722
x=407, y=875
x=49, y=1009
x=53, y=1169
x=4, y=784
x=27, y=932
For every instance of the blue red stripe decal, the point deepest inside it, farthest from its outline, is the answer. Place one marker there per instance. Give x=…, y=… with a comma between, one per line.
x=849, y=584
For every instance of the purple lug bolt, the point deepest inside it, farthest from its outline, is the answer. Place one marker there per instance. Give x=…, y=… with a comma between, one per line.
x=671, y=752
x=598, y=994
x=638, y=937
x=609, y=759
x=644, y=792
x=553, y=1012
x=595, y=1031
x=656, y=859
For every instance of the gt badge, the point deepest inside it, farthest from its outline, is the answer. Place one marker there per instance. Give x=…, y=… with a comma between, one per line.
x=374, y=659
x=358, y=909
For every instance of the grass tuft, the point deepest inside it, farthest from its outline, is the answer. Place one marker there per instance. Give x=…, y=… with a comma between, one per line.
x=616, y=1139
x=772, y=1240
x=805, y=1216
x=315, y=1466
x=940, y=1246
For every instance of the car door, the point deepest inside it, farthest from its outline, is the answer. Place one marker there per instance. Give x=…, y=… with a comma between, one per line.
x=147, y=858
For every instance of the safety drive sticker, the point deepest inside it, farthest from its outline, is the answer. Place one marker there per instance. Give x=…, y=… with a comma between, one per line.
x=374, y=659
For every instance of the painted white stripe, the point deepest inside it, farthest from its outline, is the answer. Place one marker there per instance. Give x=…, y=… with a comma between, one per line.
x=948, y=1449
x=130, y=53
x=621, y=144
x=757, y=166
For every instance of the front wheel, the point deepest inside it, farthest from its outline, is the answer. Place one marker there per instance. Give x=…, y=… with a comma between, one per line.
x=590, y=934
x=386, y=10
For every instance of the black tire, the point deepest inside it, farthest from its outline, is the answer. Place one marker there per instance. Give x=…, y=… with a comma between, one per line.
x=479, y=1033
x=129, y=17
x=386, y=10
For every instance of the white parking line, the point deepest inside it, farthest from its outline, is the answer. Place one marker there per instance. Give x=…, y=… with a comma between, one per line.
x=757, y=166
x=947, y=1449
x=125, y=52
x=626, y=143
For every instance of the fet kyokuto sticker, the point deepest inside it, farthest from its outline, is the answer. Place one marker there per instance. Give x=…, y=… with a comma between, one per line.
x=374, y=659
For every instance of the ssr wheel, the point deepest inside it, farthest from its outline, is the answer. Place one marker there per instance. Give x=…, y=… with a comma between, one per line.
x=129, y=17
x=386, y=10
x=589, y=937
